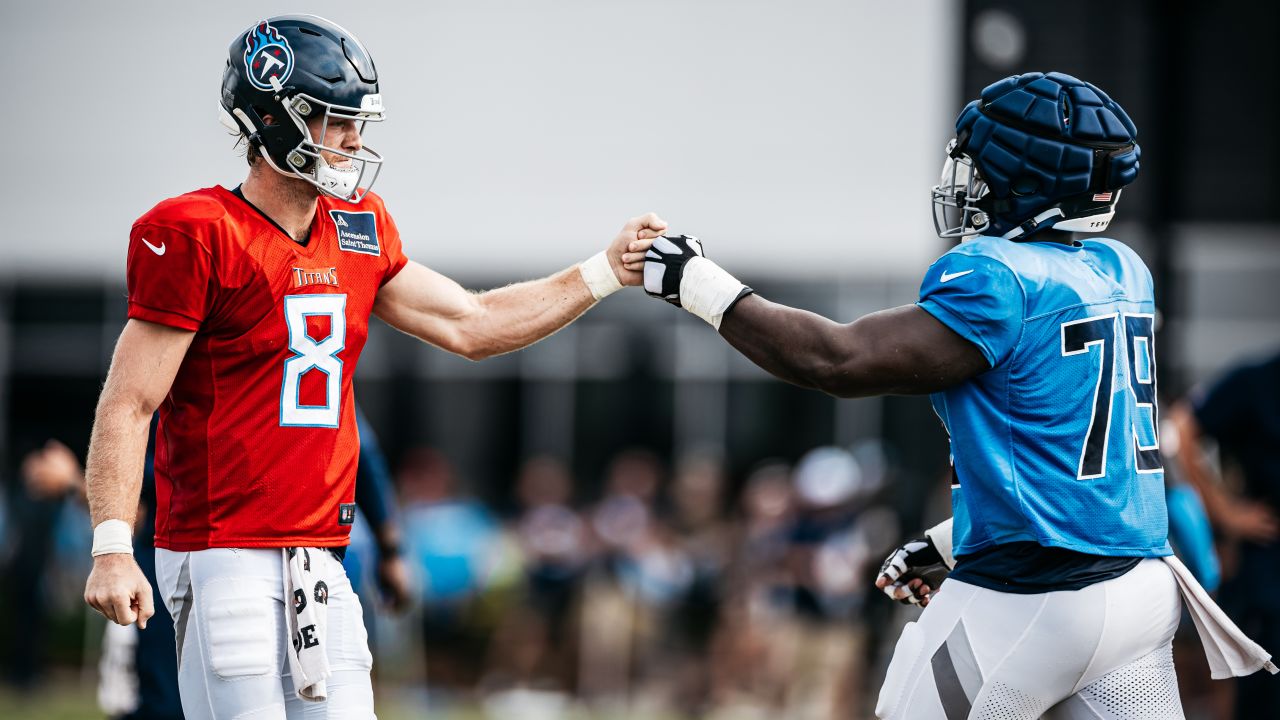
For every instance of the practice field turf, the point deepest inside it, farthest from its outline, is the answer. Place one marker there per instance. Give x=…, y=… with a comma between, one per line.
x=63, y=701
x=64, y=698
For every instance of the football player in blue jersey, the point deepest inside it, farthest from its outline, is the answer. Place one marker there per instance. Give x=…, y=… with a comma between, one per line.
x=1039, y=353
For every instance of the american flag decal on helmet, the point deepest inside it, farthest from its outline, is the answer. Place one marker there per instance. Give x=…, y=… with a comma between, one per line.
x=1102, y=196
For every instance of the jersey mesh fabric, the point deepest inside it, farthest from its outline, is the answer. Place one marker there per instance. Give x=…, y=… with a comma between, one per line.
x=232, y=468
x=1022, y=433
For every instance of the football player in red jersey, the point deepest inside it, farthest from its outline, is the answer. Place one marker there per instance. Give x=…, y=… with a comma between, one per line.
x=248, y=310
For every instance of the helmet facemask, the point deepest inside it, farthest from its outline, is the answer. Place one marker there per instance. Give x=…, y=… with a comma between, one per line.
x=956, y=196
x=305, y=161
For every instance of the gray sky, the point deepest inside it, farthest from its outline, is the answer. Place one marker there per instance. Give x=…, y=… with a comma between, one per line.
x=520, y=134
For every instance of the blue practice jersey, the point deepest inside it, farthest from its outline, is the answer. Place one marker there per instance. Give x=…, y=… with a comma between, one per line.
x=1057, y=443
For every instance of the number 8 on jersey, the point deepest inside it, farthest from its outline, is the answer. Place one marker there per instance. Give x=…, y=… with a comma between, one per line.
x=311, y=354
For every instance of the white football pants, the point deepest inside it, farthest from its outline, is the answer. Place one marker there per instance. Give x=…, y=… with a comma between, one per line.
x=1102, y=652
x=228, y=617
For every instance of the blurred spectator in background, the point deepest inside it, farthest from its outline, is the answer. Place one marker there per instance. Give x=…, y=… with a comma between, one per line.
x=639, y=574
x=533, y=645
x=704, y=537
x=747, y=675
x=49, y=476
x=456, y=544
x=1241, y=414
x=835, y=541
x=1190, y=529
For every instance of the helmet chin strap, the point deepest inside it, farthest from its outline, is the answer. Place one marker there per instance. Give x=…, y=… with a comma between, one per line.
x=1041, y=221
x=340, y=182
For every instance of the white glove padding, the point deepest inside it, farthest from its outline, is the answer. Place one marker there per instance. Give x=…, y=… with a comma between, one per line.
x=664, y=265
x=916, y=559
x=676, y=270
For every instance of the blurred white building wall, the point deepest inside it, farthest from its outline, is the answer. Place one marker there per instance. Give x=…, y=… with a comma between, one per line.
x=796, y=138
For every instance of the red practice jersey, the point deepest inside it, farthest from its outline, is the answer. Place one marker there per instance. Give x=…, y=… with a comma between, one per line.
x=257, y=441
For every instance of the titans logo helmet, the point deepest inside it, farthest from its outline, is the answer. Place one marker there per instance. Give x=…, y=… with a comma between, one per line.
x=285, y=78
x=268, y=59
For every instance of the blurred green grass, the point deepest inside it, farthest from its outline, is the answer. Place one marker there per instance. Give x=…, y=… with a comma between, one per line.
x=67, y=698
x=62, y=699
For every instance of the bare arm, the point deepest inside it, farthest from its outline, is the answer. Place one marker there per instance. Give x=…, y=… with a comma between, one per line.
x=430, y=306
x=903, y=350
x=146, y=359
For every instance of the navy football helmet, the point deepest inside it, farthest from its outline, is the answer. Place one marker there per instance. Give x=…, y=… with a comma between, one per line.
x=297, y=68
x=1036, y=151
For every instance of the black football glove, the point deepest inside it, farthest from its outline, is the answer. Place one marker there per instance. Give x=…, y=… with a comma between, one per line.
x=917, y=558
x=664, y=265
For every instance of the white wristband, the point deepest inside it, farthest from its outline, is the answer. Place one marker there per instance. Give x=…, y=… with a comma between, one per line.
x=112, y=536
x=940, y=534
x=599, y=276
x=707, y=291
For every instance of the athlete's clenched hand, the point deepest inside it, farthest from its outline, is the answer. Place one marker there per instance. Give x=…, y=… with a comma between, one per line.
x=677, y=270
x=118, y=589
x=626, y=252
x=912, y=572
x=665, y=263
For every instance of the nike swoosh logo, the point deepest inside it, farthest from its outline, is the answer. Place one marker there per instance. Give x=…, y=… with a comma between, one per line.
x=159, y=249
x=946, y=276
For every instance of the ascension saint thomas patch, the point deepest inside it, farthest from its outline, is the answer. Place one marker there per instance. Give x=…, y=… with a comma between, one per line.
x=357, y=232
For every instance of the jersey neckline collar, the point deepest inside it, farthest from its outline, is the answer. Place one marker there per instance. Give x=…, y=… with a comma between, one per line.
x=313, y=239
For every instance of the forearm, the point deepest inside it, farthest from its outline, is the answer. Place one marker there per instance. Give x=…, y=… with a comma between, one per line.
x=519, y=315
x=895, y=351
x=117, y=453
x=437, y=310
x=794, y=345
x=903, y=350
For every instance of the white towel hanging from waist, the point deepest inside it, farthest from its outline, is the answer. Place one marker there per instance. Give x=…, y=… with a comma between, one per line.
x=1230, y=652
